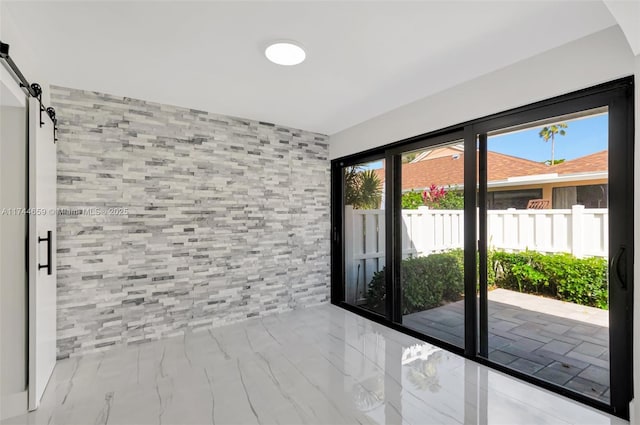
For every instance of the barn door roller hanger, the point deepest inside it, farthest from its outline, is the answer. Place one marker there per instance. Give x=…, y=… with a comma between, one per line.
x=33, y=90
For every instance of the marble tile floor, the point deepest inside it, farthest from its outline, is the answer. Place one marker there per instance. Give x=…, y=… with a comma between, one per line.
x=321, y=365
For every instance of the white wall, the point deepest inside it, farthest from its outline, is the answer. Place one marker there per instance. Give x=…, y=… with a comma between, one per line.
x=627, y=14
x=13, y=297
x=13, y=277
x=635, y=405
x=20, y=52
x=595, y=59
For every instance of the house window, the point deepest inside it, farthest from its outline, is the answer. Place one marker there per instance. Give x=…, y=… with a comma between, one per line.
x=591, y=196
x=518, y=199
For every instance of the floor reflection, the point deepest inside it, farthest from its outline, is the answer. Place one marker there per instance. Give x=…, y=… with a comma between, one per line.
x=422, y=361
x=321, y=365
x=397, y=379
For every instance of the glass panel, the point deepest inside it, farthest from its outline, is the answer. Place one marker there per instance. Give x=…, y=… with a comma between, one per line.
x=503, y=199
x=591, y=196
x=432, y=270
x=548, y=251
x=364, y=235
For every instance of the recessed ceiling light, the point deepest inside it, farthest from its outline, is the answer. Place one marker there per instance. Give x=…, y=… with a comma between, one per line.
x=285, y=53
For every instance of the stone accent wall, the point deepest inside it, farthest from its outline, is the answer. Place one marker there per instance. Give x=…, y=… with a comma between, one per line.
x=226, y=219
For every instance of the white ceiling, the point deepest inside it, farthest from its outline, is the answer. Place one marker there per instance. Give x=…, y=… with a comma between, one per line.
x=363, y=58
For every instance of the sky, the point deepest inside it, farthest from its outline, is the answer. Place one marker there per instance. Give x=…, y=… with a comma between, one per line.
x=583, y=137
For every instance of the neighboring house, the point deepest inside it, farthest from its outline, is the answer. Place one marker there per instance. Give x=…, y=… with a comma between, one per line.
x=513, y=181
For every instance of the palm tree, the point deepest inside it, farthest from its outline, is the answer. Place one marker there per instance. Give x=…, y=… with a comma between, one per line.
x=351, y=185
x=549, y=133
x=362, y=188
x=408, y=157
x=371, y=189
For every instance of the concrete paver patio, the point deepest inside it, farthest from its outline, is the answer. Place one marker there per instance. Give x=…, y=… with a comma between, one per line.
x=560, y=342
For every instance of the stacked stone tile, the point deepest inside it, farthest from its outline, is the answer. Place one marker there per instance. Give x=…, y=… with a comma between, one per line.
x=227, y=219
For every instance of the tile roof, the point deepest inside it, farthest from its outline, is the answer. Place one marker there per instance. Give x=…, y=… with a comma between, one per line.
x=595, y=162
x=449, y=170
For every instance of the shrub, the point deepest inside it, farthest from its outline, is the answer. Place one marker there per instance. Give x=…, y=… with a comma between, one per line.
x=434, y=280
x=562, y=276
x=451, y=201
x=427, y=282
x=436, y=198
x=459, y=255
x=411, y=200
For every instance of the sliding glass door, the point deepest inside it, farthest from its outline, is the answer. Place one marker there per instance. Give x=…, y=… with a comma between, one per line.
x=548, y=285
x=555, y=244
x=364, y=234
x=431, y=239
x=547, y=249
x=508, y=240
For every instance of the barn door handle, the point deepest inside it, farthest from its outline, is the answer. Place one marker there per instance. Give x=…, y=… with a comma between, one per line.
x=615, y=267
x=49, y=253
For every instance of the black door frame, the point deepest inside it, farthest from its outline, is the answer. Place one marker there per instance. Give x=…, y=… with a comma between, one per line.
x=394, y=156
x=617, y=100
x=618, y=97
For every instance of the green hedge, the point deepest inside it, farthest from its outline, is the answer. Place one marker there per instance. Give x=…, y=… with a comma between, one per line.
x=427, y=282
x=562, y=276
x=436, y=279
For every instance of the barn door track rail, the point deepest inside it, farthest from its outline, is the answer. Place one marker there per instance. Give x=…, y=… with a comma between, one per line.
x=33, y=90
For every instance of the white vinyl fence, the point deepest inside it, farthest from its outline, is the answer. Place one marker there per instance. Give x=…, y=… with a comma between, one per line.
x=579, y=231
